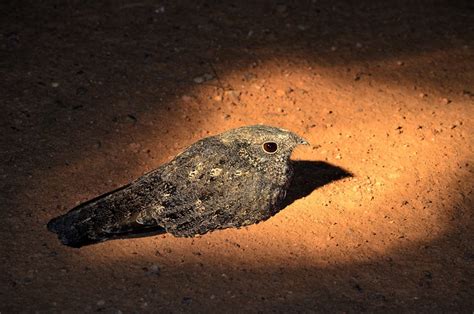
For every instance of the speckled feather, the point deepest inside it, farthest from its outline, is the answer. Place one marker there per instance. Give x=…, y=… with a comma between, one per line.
x=222, y=181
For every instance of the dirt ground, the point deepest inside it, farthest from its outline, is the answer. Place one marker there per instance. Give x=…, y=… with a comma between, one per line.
x=380, y=216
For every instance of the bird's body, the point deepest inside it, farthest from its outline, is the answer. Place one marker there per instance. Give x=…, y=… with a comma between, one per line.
x=229, y=180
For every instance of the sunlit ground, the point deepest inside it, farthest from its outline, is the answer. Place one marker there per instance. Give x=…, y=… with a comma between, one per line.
x=397, y=234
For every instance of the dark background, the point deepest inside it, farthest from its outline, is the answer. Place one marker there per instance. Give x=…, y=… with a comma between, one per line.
x=95, y=93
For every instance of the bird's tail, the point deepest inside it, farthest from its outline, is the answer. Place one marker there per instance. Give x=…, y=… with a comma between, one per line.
x=108, y=216
x=71, y=229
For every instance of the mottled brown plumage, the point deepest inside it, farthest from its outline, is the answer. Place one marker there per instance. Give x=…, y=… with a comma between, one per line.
x=233, y=179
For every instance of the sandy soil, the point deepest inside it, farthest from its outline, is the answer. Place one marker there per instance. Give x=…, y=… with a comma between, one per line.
x=380, y=216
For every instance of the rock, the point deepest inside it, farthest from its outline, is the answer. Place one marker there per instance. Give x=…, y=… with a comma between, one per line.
x=445, y=101
x=198, y=80
x=132, y=118
x=186, y=98
x=233, y=95
x=154, y=270
x=160, y=9
x=280, y=93
x=54, y=84
x=186, y=300
x=101, y=303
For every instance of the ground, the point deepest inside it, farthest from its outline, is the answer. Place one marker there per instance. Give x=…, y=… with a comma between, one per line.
x=380, y=215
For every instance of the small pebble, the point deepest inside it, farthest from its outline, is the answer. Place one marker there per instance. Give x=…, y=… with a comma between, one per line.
x=186, y=98
x=54, y=84
x=445, y=101
x=280, y=93
x=233, y=95
x=186, y=300
x=198, y=80
x=154, y=270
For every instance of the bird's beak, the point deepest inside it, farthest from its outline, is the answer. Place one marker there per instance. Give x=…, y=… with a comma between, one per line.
x=302, y=141
x=299, y=140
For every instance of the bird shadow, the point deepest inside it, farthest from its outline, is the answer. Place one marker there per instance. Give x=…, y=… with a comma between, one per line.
x=310, y=175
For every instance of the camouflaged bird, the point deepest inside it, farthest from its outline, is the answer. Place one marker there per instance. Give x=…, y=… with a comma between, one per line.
x=233, y=179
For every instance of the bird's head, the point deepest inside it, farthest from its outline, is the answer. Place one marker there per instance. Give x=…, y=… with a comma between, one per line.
x=262, y=143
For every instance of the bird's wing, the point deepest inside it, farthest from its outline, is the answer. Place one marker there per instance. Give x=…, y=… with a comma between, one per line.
x=205, y=188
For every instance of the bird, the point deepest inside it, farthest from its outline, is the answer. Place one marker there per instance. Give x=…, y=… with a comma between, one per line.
x=232, y=179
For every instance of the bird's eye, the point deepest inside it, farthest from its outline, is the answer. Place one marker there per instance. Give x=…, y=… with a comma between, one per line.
x=270, y=147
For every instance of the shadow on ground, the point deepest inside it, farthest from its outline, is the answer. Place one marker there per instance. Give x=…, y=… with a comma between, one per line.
x=310, y=175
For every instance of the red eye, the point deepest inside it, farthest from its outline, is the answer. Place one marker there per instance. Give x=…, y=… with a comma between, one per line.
x=270, y=147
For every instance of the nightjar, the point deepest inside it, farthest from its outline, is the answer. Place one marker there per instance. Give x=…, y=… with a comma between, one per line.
x=233, y=179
